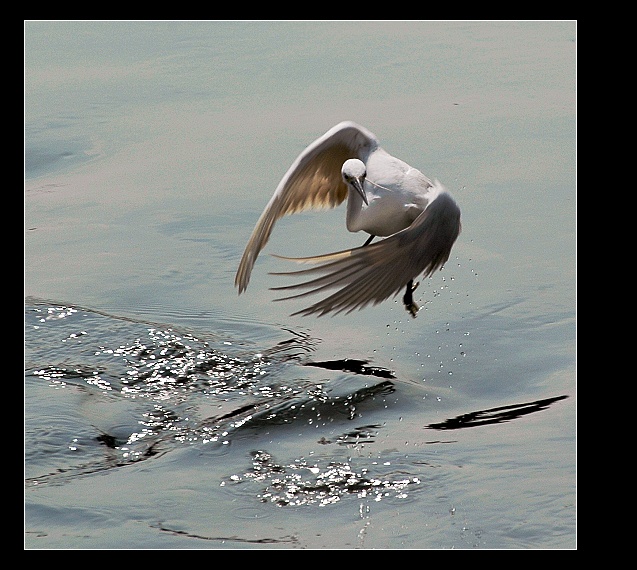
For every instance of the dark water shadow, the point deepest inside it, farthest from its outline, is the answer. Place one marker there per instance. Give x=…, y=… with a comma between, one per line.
x=226, y=539
x=495, y=415
x=354, y=366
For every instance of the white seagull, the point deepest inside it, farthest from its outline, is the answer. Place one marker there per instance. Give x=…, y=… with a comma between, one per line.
x=385, y=197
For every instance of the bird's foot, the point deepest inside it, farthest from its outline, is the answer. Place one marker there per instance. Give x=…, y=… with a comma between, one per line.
x=408, y=299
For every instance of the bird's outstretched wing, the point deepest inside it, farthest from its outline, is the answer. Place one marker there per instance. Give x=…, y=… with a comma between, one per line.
x=313, y=181
x=375, y=272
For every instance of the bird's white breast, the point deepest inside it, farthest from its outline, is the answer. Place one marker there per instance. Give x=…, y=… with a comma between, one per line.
x=396, y=192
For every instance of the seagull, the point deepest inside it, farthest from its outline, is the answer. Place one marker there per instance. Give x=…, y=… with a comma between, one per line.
x=418, y=219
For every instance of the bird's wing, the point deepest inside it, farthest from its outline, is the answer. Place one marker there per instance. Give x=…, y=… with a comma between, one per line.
x=313, y=181
x=372, y=273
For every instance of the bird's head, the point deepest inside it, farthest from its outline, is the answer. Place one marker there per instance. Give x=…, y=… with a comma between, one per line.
x=354, y=172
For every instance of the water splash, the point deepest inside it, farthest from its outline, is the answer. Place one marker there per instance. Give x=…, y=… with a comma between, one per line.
x=310, y=483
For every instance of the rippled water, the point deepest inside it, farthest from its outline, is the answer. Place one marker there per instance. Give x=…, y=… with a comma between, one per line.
x=199, y=418
x=164, y=411
x=173, y=387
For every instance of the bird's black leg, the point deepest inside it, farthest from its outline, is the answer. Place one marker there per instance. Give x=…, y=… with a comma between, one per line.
x=369, y=240
x=408, y=299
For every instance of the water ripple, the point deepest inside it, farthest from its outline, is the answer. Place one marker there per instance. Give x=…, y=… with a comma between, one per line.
x=145, y=387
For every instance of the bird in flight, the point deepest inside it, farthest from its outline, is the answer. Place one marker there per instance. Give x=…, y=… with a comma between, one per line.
x=386, y=197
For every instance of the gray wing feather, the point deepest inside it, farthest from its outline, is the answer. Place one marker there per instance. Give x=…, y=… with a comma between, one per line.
x=373, y=273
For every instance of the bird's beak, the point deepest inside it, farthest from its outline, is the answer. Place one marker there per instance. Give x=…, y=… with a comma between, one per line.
x=357, y=183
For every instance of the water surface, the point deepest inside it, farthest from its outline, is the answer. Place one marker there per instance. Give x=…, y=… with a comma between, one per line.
x=164, y=411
